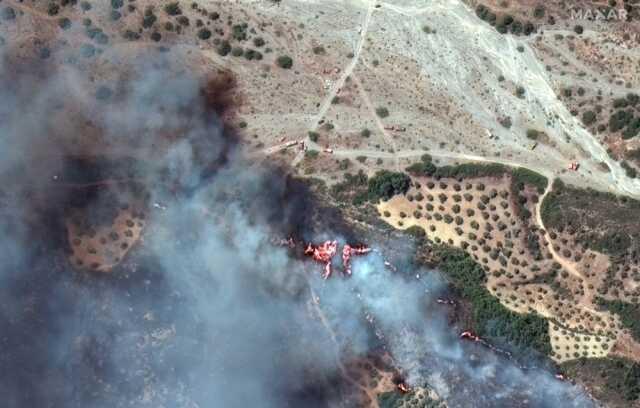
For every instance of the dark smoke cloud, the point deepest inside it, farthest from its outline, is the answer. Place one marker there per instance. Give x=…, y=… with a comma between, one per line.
x=205, y=312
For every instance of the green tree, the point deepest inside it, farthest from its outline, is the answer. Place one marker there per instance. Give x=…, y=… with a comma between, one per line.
x=284, y=61
x=385, y=184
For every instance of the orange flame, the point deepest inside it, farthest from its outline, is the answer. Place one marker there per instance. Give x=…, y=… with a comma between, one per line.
x=469, y=336
x=324, y=253
x=403, y=388
x=348, y=251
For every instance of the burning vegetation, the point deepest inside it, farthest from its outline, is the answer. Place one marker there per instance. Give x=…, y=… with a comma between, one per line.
x=324, y=253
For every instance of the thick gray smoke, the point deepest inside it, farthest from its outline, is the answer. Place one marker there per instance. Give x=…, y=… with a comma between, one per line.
x=205, y=312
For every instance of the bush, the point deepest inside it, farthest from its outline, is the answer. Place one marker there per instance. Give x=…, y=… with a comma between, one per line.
x=578, y=29
x=533, y=134
x=365, y=132
x=632, y=130
x=506, y=122
x=8, y=13
x=224, y=48
x=385, y=184
x=116, y=4
x=131, y=35
x=382, y=112
x=53, y=9
x=416, y=232
x=313, y=136
x=589, y=118
x=258, y=42
x=239, y=32
x=64, y=23
x=250, y=54
x=422, y=169
x=284, y=62
x=629, y=171
x=237, y=51
x=149, y=20
x=173, y=9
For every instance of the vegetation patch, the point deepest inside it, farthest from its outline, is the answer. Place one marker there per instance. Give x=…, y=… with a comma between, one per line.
x=629, y=314
x=504, y=23
x=522, y=176
x=602, y=221
x=490, y=317
x=610, y=377
x=385, y=184
x=414, y=399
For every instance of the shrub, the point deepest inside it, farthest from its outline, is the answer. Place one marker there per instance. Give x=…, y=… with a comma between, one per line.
x=239, y=32
x=620, y=120
x=116, y=4
x=313, y=136
x=629, y=171
x=365, y=132
x=258, y=42
x=578, y=29
x=149, y=20
x=131, y=35
x=422, y=169
x=506, y=122
x=183, y=21
x=8, y=13
x=416, y=232
x=173, y=9
x=382, y=112
x=53, y=9
x=533, y=134
x=250, y=54
x=589, y=118
x=224, y=48
x=284, y=62
x=528, y=28
x=237, y=51
x=64, y=23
